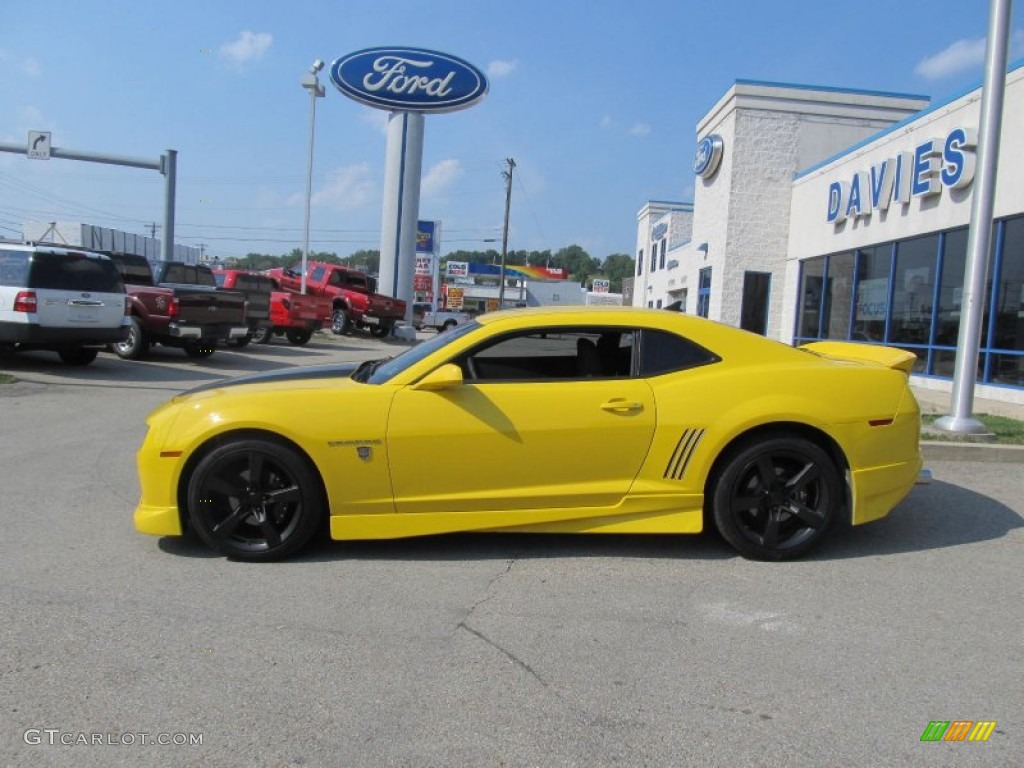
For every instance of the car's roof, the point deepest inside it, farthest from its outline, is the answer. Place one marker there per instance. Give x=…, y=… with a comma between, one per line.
x=54, y=248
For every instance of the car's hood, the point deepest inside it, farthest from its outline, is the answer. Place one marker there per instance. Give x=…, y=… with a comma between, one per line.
x=302, y=373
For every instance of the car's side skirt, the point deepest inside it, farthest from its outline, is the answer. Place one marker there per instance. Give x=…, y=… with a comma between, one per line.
x=649, y=514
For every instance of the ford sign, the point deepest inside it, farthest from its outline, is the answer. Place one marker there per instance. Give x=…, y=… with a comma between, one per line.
x=708, y=156
x=408, y=80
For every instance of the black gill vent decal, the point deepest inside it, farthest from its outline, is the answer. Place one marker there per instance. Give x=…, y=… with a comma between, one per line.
x=684, y=451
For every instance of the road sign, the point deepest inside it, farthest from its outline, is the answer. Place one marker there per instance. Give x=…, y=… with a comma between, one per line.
x=601, y=286
x=39, y=145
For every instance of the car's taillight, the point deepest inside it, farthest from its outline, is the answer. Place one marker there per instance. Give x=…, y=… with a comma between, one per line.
x=25, y=301
x=172, y=307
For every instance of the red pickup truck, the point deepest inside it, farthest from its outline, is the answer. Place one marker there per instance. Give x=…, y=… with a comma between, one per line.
x=354, y=301
x=295, y=317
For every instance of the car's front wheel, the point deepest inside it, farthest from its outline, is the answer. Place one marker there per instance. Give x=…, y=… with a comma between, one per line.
x=776, y=497
x=340, y=322
x=255, y=499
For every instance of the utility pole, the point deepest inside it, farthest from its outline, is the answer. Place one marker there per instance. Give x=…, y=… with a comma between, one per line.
x=507, y=175
x=152, y=230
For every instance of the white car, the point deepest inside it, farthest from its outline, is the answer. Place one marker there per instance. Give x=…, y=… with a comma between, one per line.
x=61, y=299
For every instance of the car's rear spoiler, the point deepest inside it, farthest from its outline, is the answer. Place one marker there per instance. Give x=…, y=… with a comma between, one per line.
x=890, y=357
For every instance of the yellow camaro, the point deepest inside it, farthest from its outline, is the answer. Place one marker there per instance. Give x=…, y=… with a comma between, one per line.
x=582, y=420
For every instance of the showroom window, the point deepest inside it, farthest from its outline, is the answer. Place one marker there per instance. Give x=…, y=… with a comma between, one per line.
x=910, y=294
x=704, y=292
x=661, y=261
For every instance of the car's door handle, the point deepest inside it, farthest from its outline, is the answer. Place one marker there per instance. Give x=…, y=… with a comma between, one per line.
x=621, y=405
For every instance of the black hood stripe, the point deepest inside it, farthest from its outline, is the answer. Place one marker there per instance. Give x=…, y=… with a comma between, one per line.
x=302, y=373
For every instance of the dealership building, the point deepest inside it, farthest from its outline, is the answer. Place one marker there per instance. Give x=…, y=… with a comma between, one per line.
x=832, y=213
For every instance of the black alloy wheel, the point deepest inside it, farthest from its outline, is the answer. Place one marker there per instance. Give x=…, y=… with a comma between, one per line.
x=776, y=497
x=255, y=499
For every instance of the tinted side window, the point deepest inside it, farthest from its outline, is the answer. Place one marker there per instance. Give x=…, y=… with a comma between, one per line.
x=204, y=276
x=221, y=279
x=14, y=268
x=662, y=352
x=317, y=274
x=74, y=272
x=556, y=353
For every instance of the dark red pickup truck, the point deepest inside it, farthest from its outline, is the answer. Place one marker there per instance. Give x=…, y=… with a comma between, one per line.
x=354, y=301
x=177, y=305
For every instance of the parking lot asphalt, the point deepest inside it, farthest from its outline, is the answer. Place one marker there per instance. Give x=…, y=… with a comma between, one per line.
x=479, y=650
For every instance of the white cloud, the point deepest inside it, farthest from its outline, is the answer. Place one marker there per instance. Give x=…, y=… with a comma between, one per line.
x=440, y=177
x=346, y=189
x=31, y=67
x=378, y=118
x=250, y=46
x=499, y=68
x=640, y=130
x=961, y=55
x=606, y=121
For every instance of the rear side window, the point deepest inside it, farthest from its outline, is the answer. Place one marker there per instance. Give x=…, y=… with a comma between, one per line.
x=662, y=352
x=74, y=272
x=14, y=268
x=134, y=269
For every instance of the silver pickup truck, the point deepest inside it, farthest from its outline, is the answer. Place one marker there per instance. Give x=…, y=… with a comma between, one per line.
x=425, y=316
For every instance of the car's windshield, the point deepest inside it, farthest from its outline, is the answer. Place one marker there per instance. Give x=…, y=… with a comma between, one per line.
x=388, y=369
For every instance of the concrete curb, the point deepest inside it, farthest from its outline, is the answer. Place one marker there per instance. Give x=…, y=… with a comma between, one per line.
x=984, y=452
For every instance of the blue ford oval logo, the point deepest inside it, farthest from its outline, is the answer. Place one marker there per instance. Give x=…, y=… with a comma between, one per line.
x=708, y=156
x=408, y=79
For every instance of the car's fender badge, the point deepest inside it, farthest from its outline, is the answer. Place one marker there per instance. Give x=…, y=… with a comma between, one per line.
x=363, y=449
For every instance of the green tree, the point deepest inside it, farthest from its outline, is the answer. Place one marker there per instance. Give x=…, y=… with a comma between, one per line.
x=617, y=266
x=580, y=264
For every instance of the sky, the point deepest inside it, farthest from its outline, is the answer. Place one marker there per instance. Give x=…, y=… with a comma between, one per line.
x=597, y=102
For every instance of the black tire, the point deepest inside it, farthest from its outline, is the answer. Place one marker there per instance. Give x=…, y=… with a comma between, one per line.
x=255, y=500
x=78, y=355
x=199, y=350
x=262, y=335
x=776, y=497
x=135, y=344
x=380, y=331
x=240, y=342
x=298, y=336
x=448, y=325
x=340, y=322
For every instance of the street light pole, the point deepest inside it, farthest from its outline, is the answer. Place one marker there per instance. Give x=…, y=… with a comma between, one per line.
x=311, y=82
x=504, y=237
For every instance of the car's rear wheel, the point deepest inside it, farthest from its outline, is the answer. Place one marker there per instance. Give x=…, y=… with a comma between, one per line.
x=135, y=344
x=255, y=499
x=297, y=336
x=776, y=497
x=448, y=325
x=78, y=355
x=200, y=349
x=380, y=331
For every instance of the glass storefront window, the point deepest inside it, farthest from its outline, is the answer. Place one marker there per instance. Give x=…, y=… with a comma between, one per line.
x=872, y=293
x=951, y=290
x=811, y=284
x=838, y=296
x=913, y=290
x=1009, y=314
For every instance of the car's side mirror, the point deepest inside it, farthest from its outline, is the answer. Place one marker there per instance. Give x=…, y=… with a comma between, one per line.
x=448, y=376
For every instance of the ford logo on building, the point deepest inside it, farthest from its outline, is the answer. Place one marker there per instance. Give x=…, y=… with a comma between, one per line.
x=708, y=156
x=408, y=80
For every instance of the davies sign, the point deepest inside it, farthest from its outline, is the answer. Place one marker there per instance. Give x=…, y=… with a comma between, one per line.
x=409, y=80
x=934, y=164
